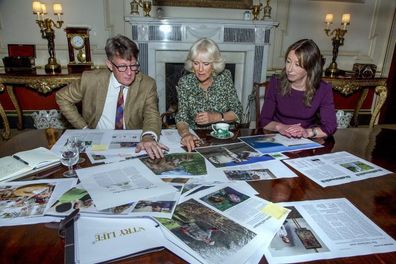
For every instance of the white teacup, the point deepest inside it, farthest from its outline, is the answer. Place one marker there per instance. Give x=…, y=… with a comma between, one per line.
x=221, y=129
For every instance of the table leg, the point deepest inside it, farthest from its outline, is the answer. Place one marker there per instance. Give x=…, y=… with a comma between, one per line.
x=6, y=134
x=363, y=95
x=11, y=94
x=382, y=93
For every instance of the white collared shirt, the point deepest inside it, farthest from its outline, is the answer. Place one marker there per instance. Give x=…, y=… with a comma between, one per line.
x=107, y=120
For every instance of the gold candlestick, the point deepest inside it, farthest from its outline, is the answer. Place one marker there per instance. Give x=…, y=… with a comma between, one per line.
x=47, y=32
x=337, y=39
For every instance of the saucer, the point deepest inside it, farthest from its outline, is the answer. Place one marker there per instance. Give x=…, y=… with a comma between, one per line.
x=214, y=135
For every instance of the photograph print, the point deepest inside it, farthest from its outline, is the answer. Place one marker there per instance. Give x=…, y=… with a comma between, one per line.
x=296, y=237
x=249, y=175
x=273, y=143
x=213, y=236
x=232, y=155
x=225, y=198
x=24, y=200
x=177, y=165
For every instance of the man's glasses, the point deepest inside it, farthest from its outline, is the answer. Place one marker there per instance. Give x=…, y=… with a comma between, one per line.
x=123, y=68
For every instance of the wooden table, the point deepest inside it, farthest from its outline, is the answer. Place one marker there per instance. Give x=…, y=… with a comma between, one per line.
x=40, y=81
x=348, y=86
x=375, y=197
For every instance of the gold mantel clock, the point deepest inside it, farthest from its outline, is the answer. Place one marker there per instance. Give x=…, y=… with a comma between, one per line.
x=79, y=49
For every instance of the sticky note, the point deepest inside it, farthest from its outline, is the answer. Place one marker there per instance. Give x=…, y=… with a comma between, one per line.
x=274, y=210
x=99, y=147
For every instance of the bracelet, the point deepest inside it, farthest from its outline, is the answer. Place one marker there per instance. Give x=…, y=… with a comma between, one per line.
x=314, y=133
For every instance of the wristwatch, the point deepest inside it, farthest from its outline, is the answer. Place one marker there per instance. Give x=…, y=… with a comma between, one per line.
x=314, y=133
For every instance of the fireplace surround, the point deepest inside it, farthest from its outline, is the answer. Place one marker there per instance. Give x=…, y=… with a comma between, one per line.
x=244, y=44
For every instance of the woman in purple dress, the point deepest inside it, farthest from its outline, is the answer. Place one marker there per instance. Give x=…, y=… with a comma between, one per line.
x=299, y=104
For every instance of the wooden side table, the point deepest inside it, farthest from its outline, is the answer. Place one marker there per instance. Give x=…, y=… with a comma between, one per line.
x=347, y=86
x=40, y=82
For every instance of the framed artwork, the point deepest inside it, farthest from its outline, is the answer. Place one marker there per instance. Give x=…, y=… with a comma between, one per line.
x=236, y=4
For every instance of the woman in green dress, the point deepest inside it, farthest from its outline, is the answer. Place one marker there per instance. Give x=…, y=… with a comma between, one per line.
x=207, y=94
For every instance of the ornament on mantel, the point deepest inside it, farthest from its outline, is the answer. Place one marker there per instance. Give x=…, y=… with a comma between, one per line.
x=267, y=11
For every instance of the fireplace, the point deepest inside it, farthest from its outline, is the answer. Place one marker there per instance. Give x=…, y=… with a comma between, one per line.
x=165, y=43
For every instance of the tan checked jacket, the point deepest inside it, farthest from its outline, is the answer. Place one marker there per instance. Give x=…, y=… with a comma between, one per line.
x=141, y=105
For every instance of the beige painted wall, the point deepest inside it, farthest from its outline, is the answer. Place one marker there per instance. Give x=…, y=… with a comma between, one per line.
x=366, y=40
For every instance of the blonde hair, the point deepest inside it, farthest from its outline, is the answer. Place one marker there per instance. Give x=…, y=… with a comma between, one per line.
x=210, y=50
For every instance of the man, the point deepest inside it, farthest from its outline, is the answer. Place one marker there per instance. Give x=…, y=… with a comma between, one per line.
x=122, y=98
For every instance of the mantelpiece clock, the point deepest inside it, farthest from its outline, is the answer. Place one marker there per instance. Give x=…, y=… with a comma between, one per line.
x=79, y=49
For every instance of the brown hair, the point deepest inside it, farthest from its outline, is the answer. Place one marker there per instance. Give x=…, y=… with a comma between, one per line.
x=310, y=59
x=122, y=47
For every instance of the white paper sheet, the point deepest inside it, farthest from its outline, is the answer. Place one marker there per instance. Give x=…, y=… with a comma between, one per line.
x=336, y=168
x=325, y=229
x=120, y=183
x=25, y=202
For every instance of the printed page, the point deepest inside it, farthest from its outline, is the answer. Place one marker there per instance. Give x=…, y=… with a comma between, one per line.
x=11, y=167
x=91, y=137
x=326, y=229
x=250, y=211
x=120, y=183
x=171, y=139
x=234, y=154
x=268, y=170
x=38, y=157
x=177, y=165
x=25, y=202
x=95, y=236
x=273, y=143
x=208, y=235
x=336, y=168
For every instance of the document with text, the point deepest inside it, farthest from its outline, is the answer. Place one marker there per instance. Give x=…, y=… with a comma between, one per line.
x=325, y=229
x=336, y=168
x=115, y=184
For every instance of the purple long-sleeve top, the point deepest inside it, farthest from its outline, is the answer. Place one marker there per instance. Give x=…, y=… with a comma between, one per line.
x=290, y=109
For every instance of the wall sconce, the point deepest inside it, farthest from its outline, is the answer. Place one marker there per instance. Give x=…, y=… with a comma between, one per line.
x=337, y=35
x=47, y=32
x=145, y=4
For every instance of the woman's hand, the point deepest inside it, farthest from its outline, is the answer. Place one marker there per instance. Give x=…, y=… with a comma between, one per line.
x=189, y=141
x=203, y=118
x=295, y=131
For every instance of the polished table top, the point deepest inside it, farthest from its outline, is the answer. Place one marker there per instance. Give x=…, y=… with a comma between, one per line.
x=375, y=197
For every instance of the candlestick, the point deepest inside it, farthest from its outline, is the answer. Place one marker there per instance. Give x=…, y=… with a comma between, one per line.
x=337, y=40
x=46, y=28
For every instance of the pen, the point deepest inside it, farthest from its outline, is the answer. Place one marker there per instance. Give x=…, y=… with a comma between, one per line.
x=18, y=158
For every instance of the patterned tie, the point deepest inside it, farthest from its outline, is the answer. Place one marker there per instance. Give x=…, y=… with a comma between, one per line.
x=119, y=119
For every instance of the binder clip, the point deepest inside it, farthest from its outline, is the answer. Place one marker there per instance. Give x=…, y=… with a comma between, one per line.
x=65, y=223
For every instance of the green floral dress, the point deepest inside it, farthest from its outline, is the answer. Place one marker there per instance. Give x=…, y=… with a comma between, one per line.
x=220, y=97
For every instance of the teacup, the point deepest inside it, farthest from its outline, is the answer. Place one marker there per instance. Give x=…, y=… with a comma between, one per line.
x=221, y=130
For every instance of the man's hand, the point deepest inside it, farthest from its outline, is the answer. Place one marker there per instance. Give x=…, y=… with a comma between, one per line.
x=154, y=149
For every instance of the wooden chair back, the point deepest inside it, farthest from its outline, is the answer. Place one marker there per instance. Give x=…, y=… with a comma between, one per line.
x=259, y=89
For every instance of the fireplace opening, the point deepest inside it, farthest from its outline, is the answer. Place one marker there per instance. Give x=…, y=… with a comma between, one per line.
x=173, y=72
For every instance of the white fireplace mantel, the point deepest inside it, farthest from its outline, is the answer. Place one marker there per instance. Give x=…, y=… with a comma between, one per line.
x=243, y=43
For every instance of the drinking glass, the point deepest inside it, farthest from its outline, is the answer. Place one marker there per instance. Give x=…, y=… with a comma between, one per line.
x=79, y=144
x=69, y=157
